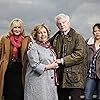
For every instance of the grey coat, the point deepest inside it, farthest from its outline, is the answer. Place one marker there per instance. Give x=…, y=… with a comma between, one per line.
x=39, y=84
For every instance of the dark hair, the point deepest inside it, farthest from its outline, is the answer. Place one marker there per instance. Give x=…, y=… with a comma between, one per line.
x=96, y=25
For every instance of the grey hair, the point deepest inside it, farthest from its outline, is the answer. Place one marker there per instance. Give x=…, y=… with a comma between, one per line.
x=61, y=16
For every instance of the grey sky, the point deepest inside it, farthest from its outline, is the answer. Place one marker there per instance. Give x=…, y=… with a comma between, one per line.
x=84, y=13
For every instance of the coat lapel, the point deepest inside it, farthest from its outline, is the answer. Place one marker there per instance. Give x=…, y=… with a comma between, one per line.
x=24, y=46
x=7, y=47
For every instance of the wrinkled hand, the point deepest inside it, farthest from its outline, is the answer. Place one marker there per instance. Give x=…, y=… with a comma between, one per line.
x=58, y=61
x=54, y=65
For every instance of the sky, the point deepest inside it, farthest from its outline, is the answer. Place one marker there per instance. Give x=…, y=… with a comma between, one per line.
x=83, y=13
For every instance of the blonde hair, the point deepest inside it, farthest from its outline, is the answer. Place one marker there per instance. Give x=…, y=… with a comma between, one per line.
x=13, y=24
x=37, y=27
x=61, y=16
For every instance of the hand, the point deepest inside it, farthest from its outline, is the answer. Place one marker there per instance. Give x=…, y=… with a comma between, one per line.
x=58, y=61
x=29, y=45
x=54, y=65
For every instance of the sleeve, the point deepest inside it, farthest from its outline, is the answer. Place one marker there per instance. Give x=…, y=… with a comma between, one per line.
x=34, y=60
x=2, y=47
x=78, y=53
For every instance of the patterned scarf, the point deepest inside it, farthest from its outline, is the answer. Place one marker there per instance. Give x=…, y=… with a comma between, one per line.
x=16, y=42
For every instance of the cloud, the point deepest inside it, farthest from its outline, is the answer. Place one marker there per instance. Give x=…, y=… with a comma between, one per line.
x=83, y=13
x=26, y=2
x=85, y=16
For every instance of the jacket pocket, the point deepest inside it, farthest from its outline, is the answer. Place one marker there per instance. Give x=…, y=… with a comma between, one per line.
x=72, y=76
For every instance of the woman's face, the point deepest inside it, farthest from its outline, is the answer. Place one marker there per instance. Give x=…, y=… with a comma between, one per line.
x=42, y=35
x=96, y=33
x=17, y=28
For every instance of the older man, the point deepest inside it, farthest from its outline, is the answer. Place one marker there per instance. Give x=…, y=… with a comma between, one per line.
x=71, y=52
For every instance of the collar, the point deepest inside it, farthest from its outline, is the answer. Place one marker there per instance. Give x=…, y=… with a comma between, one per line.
x=65, y=33
x=90, y=41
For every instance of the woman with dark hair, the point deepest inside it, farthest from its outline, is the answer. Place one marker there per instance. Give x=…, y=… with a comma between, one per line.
x=93, y=76
x=13, y=62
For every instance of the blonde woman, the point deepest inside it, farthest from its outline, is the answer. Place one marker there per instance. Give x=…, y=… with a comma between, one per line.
x=41, y=80
x=13, y=48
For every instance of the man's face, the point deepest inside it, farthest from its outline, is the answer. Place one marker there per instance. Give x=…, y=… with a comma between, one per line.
x=63, y=24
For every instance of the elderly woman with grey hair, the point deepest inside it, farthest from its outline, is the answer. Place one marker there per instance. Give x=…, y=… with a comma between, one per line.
x=41, y=80
x=13, y=62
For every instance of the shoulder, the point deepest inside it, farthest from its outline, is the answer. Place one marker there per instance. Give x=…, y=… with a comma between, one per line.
x=33, y=45
x=90, y=41
x=5, y=37
x=79, y=36
x=73, y=33
x=26, y=35
x=27, y=38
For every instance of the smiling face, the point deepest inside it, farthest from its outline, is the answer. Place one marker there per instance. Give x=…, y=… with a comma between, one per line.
x=17, y=29
x=42, y=35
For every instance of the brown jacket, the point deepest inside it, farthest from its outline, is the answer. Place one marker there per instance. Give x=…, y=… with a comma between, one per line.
x=5, y=55
x=91, y=51
x=74, y=68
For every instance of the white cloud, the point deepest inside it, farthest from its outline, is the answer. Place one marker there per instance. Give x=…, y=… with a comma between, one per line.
x=85, y=16
x=35, y=11
x=28, y=2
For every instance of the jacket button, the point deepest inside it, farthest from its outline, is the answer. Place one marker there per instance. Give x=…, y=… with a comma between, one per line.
x=52, y=77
